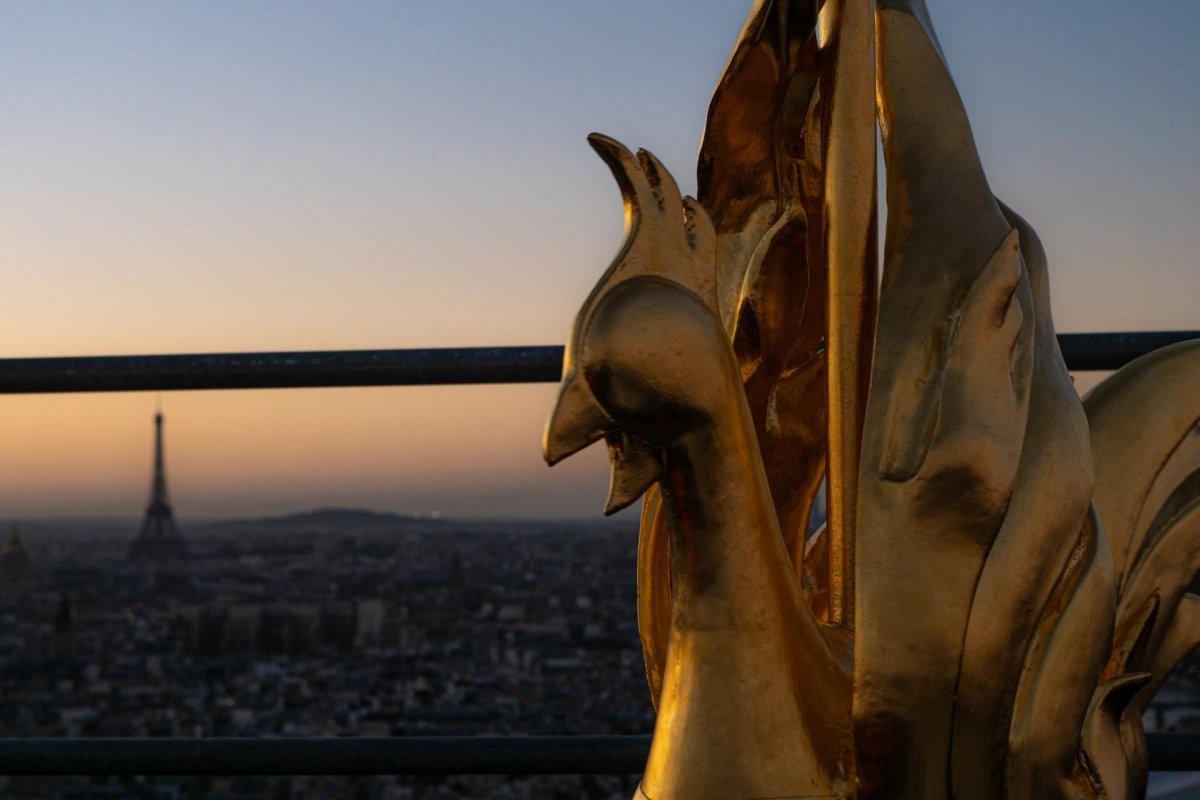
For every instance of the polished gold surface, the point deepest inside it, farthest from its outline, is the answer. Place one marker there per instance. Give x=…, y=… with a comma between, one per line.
x=852, y=261
x=752, y=703
x=1001, y=585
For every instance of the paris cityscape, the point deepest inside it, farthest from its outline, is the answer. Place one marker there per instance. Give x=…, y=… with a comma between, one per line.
x=330, y=623
x=334, y=622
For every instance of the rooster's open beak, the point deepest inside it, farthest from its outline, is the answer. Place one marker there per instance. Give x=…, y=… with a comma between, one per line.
x=578, y=421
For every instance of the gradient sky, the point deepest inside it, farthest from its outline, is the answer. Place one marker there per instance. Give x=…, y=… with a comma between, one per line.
x=293, y=175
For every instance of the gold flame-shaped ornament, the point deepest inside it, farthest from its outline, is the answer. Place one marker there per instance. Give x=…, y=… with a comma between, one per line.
x=1001, y=585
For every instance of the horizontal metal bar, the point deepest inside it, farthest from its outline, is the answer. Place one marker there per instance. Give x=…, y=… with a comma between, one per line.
x=465, y=365
x=437, y=755
x=1105, y=351
x=281, y=370
x=1174, y=752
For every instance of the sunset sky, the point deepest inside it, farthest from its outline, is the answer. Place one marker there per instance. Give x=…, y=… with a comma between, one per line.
x=226, y=176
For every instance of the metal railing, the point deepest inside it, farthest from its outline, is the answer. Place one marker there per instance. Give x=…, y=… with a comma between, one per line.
x=478, y=755
x=439, y=366
x=428, y=755
x=424, y=755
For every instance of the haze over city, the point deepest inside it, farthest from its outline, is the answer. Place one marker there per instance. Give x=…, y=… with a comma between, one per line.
x=234, y=177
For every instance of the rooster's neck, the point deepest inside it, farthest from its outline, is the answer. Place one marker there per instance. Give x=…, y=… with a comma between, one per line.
x=745, y=656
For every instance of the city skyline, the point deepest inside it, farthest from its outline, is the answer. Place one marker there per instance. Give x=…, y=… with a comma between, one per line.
x=230, y=178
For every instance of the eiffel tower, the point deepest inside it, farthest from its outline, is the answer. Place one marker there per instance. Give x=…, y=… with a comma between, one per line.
x=159, y=540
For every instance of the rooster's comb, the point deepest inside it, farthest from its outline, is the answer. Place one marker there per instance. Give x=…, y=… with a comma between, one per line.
x=666, y=235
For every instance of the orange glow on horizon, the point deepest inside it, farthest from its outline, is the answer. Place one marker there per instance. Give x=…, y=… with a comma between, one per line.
x=463, y=451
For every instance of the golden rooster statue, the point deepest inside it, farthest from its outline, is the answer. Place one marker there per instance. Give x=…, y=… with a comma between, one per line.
x=1001, y=585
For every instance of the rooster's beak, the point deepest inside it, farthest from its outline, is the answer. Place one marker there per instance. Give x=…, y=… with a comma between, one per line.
x=636, y=466
x=578, y=421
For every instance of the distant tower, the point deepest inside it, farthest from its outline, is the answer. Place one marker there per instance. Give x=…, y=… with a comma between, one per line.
x=14, y=566
x=159, y=539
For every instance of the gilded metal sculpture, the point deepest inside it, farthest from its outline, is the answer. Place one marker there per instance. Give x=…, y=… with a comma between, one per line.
x=1001, y=585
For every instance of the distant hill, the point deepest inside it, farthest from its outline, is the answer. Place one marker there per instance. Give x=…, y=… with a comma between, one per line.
x=330, y=519
x=339, y=516
x=320, y=521
x=343, y=520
